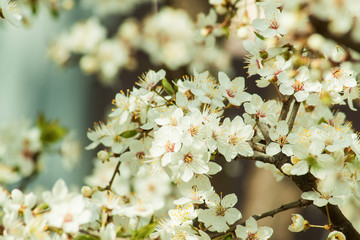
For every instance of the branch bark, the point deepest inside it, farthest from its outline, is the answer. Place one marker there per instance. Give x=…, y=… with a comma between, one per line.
x=307, y=183
x=297, y=204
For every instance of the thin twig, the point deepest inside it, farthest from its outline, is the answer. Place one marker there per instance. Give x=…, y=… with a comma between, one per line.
x=285, y=108
x=108, y=187
x=297, y=204
x=293, y=115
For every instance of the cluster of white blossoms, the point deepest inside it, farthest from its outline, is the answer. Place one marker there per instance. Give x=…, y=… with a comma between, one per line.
x=175, y=132
x=154, y=35
x=23, y=147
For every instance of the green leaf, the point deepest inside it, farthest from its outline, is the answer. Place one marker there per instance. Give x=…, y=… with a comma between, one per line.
x=86, y=237
x=259, y=35
x=129, y=134
x=144, y=232
x=228, y=237
x=51, y=131
x=167, y=86
x=322, y=120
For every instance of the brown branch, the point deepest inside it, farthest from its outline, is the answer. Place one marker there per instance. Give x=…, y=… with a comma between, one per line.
x=264, y=129
x=285, y=108
x=108, y=187
x=293, y=114
x=307, y=183
x=258, y=147
x=297, y=204
x=322, y=27
x=258, y=156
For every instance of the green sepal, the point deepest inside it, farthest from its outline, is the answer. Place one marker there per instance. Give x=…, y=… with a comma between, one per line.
x=167, y=86
x=322, y=120
x=259, y=36
x=229, y=236
x=144, y=232
x=226, y=31
x=129, y=134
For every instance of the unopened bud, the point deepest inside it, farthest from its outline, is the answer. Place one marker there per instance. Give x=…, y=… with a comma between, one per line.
x=103, y=155
x=86, y=191
x=286, y=168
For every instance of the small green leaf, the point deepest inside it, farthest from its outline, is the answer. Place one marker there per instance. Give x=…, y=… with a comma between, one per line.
x=86, y=237
x=228, y=237
x=51, y=131
x=226, y=31
x=128, y=134
x=167, y=86
x=322, y=120
x=144, y=232
x=259, y=35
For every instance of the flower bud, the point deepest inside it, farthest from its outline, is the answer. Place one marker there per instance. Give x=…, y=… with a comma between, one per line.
x=299, y=224
x=103, y=155
x=286, y=168
x=86, y=191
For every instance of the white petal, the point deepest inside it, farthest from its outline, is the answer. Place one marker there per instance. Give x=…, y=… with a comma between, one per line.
x=273, y=148
x=229, y=200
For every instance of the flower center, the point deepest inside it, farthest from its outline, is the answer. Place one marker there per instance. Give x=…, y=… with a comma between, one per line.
x=282, y=140
x=298, y=86
x=188, y=158
x=194, y=130
x=337, y=73
x=233, y=139
x=68, y=217
x=252, y=236
x=274, y=24
x=140, y=155
x=230, y=93
x=220, y=210
x=170, y=146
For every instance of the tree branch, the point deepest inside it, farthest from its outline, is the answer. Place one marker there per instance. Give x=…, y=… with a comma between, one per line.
x=258, y=156
x=297, y=204
x=108, y=187
x=293, y=114
x=258, y=147
x=264, y=129
x=307, y=183
x=286, y=107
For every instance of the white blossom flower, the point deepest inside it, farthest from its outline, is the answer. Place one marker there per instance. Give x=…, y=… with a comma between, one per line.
x=278, y=135
x=233, y=90
x=151, y=78
x=339, y=77
x=220, y=212
x=252, y=231
x=270, y=26
x=336, y=235
x=264, y=111
x=298, y=223
x=192, y=159
x=300, y=86
x=237, y=135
